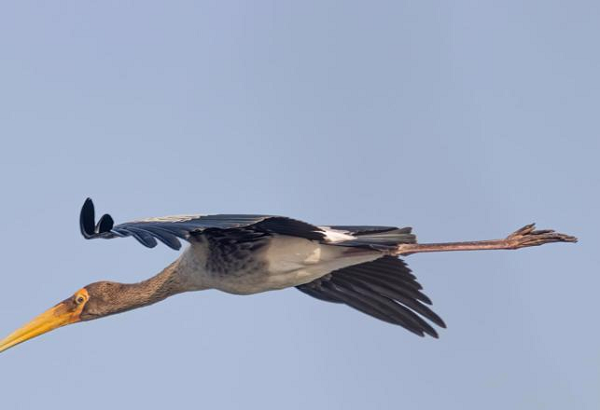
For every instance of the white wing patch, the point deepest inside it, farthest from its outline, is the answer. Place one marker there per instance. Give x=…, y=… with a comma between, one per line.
x=334, y=235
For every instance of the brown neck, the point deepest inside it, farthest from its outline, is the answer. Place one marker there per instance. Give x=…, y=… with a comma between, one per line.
x=152, y=290
x=109, y=298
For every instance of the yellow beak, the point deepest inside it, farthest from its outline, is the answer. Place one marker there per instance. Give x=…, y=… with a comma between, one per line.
x=59, y=315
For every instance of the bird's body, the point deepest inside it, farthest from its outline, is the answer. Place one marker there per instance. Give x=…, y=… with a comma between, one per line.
x=275, y=262
x=245, y=254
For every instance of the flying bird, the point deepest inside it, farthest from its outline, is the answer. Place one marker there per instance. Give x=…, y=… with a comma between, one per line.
x=358, y=266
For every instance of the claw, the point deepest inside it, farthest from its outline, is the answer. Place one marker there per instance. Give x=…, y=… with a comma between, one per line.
x=543, y=232
x=528, y=236
x=523, y=231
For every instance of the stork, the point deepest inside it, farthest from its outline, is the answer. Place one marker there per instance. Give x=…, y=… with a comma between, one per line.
x=358, y=266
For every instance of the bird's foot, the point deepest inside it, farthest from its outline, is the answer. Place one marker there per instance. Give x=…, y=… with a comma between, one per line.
x=529, y=236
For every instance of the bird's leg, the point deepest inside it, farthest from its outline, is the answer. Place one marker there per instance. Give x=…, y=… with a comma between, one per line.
x=522, y=238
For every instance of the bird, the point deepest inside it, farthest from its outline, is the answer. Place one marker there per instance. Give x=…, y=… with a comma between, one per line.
x=356, y=265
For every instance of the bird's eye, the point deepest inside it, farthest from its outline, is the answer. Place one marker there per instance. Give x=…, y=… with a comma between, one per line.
x=79, y=299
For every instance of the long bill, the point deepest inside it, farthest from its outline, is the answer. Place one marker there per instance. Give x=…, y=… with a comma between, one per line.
x=58, y=316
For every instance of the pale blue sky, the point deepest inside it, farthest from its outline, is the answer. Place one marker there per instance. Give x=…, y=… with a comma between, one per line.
x=465, y=120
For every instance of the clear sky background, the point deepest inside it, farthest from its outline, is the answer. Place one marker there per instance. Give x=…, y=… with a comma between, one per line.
x=465, y=120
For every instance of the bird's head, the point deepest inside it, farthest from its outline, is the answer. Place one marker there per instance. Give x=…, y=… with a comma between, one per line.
x=91, y=302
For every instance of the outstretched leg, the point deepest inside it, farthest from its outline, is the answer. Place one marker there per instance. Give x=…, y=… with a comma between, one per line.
x=522, y=238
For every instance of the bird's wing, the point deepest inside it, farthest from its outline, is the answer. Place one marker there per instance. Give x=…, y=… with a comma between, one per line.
x=172, y=228
x=384, y=288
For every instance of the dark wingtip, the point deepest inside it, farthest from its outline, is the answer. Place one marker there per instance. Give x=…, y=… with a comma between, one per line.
x=105, y=224
x=87, y=218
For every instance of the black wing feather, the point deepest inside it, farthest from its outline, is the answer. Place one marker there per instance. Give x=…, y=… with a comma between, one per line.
x=319, y=294
x=358, y=302
x=384, y=289
x=396, y=294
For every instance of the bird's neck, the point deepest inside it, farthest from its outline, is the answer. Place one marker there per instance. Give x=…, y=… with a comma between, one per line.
x=155, y=289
